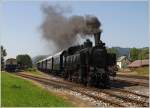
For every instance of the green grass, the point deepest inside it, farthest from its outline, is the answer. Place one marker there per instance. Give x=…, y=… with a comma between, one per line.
x=17, y=92
x=33, y=71
x=142, y=71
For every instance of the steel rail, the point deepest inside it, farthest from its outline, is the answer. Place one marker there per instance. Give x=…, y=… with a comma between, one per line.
x=116, y=104
x=133, y=76
x=131, y=82
x=107, y=92
x=130, y=92
x=113, y=89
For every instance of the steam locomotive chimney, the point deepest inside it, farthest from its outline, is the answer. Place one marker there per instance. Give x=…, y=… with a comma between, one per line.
x=94, y=28
x=97, y=38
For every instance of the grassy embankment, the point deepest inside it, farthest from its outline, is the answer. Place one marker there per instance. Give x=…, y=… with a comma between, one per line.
x=17, y=92
x=33, y=71
x=142, y=71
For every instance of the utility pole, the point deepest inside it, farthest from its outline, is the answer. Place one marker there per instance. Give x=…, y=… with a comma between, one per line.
x=141, y=57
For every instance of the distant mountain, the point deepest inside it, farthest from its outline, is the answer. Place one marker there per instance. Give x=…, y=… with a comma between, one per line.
x=126, y=51
x=123, y=51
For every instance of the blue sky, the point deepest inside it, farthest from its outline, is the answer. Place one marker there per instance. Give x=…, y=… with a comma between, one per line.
x=124, y=24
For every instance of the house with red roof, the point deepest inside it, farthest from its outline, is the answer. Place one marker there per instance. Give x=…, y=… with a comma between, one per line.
x=139, y=63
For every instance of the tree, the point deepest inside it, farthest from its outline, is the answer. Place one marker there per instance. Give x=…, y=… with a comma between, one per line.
x=24, y=61
x=113, y=50
x=144, y=53
x=3, y=54
x=139, y=53
x=134, y=53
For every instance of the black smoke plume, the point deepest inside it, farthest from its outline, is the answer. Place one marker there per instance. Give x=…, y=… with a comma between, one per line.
x=62, y=30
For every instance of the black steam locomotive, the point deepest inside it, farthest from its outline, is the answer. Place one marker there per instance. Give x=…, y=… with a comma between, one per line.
x=86, y=64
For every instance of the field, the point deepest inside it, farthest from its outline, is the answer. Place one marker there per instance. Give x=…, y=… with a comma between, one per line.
x=33, y=71
x=143, y=71
x=17, y=92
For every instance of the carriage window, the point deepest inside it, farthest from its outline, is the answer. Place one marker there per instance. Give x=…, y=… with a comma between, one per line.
x=77, y=58
x=68, y=60
x=71, y=59
x=74, y=59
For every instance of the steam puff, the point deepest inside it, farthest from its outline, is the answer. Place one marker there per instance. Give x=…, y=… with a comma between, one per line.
x=63, y=30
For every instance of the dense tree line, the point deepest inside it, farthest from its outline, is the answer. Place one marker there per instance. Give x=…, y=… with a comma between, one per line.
x=113, y=50
x=24, y=61
x=139, y=53
x=134, y=53
x=3, y=54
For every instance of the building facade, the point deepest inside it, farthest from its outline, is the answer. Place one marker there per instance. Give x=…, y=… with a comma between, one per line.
x=122, y=62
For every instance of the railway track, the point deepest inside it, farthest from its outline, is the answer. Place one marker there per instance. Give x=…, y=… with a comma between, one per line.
x=133, y=76
x=131, y=82
x=125, y=97
x=114, y=89
x=89, y=92
x=130, y=92
x=57, y=84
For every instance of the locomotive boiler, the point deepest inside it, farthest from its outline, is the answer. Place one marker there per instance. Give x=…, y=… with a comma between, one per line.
x=90, y=65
